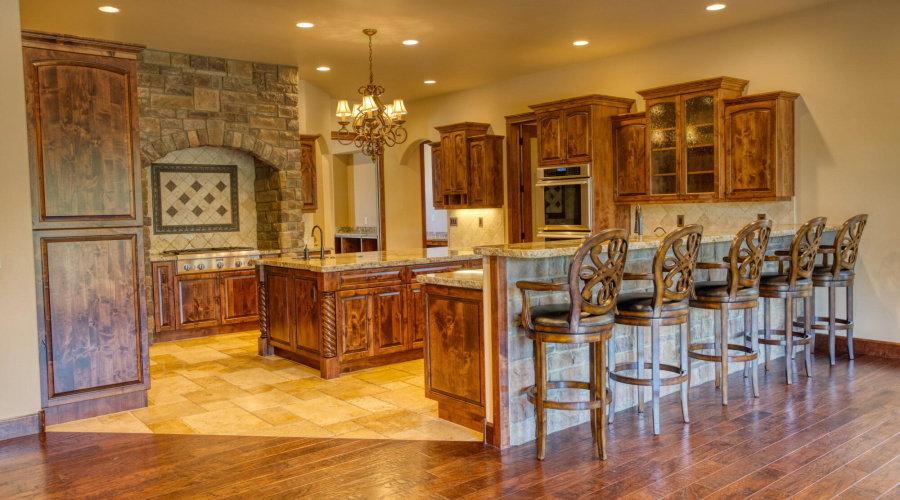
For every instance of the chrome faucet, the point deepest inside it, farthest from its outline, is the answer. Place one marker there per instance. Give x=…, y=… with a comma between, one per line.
x=321, y=243
x=657, y=229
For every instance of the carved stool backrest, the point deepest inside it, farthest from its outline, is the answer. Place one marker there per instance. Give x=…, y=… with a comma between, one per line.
x=804, y=247
x=746, y=257
x=674, y=264
x=846, y=244
x=595, y=277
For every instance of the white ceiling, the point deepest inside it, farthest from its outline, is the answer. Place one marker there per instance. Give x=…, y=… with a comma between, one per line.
x=462, y=43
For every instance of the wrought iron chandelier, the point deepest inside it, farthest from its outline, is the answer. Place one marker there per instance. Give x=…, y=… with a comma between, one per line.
x=373, y=125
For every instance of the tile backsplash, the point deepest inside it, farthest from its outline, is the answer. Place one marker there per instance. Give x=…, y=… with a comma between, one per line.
x=245, y=236
x=467, y=233
x=715, y=216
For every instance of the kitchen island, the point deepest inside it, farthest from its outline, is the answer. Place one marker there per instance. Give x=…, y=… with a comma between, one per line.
x=510, y=356
x=349, y=312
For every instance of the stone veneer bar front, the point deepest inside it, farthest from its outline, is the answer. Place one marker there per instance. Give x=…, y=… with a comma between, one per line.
x=511, y=362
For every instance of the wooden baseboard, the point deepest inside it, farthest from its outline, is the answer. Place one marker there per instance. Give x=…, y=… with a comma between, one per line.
x=25, y=425
x=95, y=407
x=196, y=333
x=878, y=348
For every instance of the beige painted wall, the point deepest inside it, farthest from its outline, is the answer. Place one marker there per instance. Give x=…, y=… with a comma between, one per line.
x=315, y=118
x=19, y=376
x=842, y=59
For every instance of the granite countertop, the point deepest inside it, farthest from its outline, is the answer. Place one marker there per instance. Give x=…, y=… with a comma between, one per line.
x=567, y=248
x=431, y=236
x=472, y=279
x=162, y=257
x=372, y=260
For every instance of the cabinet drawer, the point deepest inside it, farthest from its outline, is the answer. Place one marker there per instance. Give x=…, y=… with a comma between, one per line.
x=445, y=267
x=370, y=277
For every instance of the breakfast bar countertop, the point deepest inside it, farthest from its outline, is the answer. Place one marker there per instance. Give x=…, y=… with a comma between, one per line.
x=372, y=260
x=567, y=248
x=472, y=279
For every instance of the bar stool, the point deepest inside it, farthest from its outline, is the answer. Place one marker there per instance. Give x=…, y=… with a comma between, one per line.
x=595, y=278
x=838, y=273
x=667, y=305
x=740, y=291
x=792, y=284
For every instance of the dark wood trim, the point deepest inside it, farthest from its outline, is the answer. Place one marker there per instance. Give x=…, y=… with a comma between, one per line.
x=95, y=407
x=878, y=348
x=382, y=227
x=196, y=333
x=25, y=425
x=424, y=205
x=499, y=353
x=68, y=43
x=516, y=177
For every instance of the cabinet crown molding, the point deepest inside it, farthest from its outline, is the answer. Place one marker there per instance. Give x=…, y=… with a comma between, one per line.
x=720, y=82
x=58, y=41
x=630, y=116
x=767, y=96
x=598, y=99
x=472, y=127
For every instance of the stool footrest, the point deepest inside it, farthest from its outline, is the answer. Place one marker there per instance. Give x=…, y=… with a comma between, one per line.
x=799, y=338
x=749, y=353
x=531, y=395
x=821, y=323
x=681, y=374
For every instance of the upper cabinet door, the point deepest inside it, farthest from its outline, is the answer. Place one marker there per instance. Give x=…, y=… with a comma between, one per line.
x=662, y=142
x=460, y=152
x=476, y=176
x=750, y=146
x=578, y=135
x=630, y=159
x=83, y=139
x=550, y=147
x=448, y=164
x=700, y=146
x=437, y=177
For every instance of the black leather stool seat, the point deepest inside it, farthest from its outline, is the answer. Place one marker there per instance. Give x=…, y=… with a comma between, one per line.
x=557, y=316
x=822, y=274
x=717, y=291
x=641, y=305
x=775, y=282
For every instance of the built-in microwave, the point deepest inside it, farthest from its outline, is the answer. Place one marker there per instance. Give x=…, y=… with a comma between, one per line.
x=562, y=202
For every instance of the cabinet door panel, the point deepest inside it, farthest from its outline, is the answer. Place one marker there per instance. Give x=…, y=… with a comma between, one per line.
x=197, y=298
x=631, y=161
x=164, y=295
x=460, y=153
x=455, y=351
x=416, y=311
x=578, y=135
x=82, y=149
x=278, y=287
x=355, y=317
x=750, y=146
x=476, y=178
x=239, y=296
x=448, y=162
x=437, y=173
x=92, y=302
x=306, y=325
x=389, y=319
x=549, y=138
x=663, y=147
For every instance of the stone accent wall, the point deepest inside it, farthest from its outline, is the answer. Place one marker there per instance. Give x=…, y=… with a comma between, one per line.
x=570, y=362
x=190, y=101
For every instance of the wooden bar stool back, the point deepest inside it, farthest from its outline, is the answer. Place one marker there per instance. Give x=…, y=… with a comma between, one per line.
x=740, y=291
x=595, y=278
x=667, y=305
x=837, y=271
x=792, y=284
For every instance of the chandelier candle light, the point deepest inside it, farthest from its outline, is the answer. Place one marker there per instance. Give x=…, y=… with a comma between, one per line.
x=373, y=124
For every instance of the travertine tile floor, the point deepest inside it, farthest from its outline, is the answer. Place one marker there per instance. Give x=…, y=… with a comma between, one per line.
x=219, y=385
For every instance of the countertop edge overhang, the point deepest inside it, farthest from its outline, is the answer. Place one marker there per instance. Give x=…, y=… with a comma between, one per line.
x=373, y=260
x=473, y=280
x=567, y=248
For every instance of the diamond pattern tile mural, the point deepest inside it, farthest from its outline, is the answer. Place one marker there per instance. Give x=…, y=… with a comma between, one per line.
x=195, y=198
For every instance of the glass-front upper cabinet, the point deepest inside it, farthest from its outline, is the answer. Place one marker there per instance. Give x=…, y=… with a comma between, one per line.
x=684, y=147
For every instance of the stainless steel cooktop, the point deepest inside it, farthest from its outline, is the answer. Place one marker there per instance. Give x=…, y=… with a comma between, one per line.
x=195, y=260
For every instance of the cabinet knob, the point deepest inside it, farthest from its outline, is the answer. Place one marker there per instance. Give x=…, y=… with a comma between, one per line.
x=200, y=267
x=187, y=267
x=238, y=263
x=220, y=265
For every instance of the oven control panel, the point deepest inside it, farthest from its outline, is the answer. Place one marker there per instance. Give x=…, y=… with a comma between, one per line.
x=564, y=172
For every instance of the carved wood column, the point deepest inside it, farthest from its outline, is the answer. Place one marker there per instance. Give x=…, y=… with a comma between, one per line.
x=264, y=348
x=329, y=330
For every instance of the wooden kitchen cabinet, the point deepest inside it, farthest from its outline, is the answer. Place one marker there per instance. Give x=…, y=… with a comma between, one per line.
x=197, y=300
x=306, y=313
x=389, y=319
x=354, y=311
x=416, y=311
x=684, y=149
x=84, y=162
x=759, y=147
x=471, y=166
x=564, y=136
x=308, y=172
x=437, y=172
x=238, y=296
x=629, y=141
x=164, y=295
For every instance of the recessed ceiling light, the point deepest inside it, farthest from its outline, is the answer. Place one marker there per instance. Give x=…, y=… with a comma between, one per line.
x=305, y=25
x=716, y=6
x=323, y=68
x=580, y=42
x=429, y=82
x=410, y=42
x=108, y=9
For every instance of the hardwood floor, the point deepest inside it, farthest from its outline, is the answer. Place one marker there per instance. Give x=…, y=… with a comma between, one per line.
x=835, y=434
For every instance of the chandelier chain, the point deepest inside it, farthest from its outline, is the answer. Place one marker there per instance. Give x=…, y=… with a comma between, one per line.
x=371, y=71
